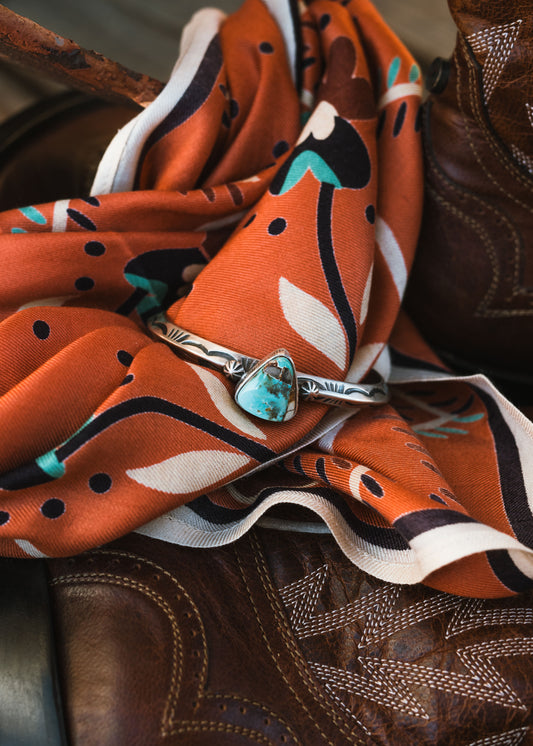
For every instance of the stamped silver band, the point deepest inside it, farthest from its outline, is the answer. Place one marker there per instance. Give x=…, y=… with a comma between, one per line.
x=241, y=369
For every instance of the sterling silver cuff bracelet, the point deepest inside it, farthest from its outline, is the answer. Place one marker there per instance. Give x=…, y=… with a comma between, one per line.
x=268, y=388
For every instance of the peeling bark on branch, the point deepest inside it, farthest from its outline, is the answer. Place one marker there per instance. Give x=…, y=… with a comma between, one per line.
x=27, y=43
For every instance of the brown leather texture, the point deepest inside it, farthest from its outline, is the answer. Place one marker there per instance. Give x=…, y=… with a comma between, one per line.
x=279, y=639
x=471, y=287
x=501, y=37
x=51, y=150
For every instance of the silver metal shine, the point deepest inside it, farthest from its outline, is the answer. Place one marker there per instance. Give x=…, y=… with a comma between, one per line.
x=235, y=366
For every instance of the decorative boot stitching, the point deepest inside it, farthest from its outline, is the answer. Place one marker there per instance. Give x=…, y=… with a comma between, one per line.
x=268, y=714
x=482, y=310
x=498, y=148
x=498, y=42
x=294, y=651
x=171, y=724
x=273, y=655
x=473, y=614
x=388, y=681
x=177, y=647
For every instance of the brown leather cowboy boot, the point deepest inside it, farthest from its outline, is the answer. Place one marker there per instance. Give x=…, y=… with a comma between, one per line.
x=279, y=639
x=471, y=290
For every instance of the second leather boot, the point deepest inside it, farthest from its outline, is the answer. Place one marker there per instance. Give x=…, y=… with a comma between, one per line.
x=471, y=290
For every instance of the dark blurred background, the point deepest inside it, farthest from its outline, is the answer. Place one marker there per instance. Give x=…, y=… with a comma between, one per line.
x=145, y=34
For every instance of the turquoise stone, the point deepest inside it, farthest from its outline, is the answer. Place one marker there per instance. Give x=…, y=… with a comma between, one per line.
x=269, y=390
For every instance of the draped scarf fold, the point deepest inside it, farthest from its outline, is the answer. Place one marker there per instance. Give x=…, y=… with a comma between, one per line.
x=269, y=197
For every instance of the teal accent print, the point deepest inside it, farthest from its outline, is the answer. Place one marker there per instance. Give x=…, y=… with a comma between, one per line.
x=469, y=417
x=309, y=161
x=452, y=430
x=414, y=73
x=33, y=214
x=394, y=69
x=156, y=291
x=50, y=465
x=18, y=230
x=442, y=430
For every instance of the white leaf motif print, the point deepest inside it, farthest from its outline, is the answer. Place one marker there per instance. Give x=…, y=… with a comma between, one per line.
x=225, y=404
x=366, y=296
x=313, y=321
x=392, y=254
x=363, y=361
x=56, y=301
x=189, y=472
x=30, y=549
x=355, y=480
x=321, y=123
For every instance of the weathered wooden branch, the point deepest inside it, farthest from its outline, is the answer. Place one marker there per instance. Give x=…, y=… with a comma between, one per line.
x=27, y=43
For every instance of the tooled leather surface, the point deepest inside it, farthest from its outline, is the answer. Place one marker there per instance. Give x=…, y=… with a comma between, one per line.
x=166, y=645
x=501, y=36
x=411, y=665
x=278, y=639
x=471, y=289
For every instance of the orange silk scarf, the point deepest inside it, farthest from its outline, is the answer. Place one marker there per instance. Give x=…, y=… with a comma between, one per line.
x=269, y=197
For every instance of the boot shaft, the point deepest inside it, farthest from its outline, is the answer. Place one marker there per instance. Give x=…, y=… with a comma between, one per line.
x=471, y=289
